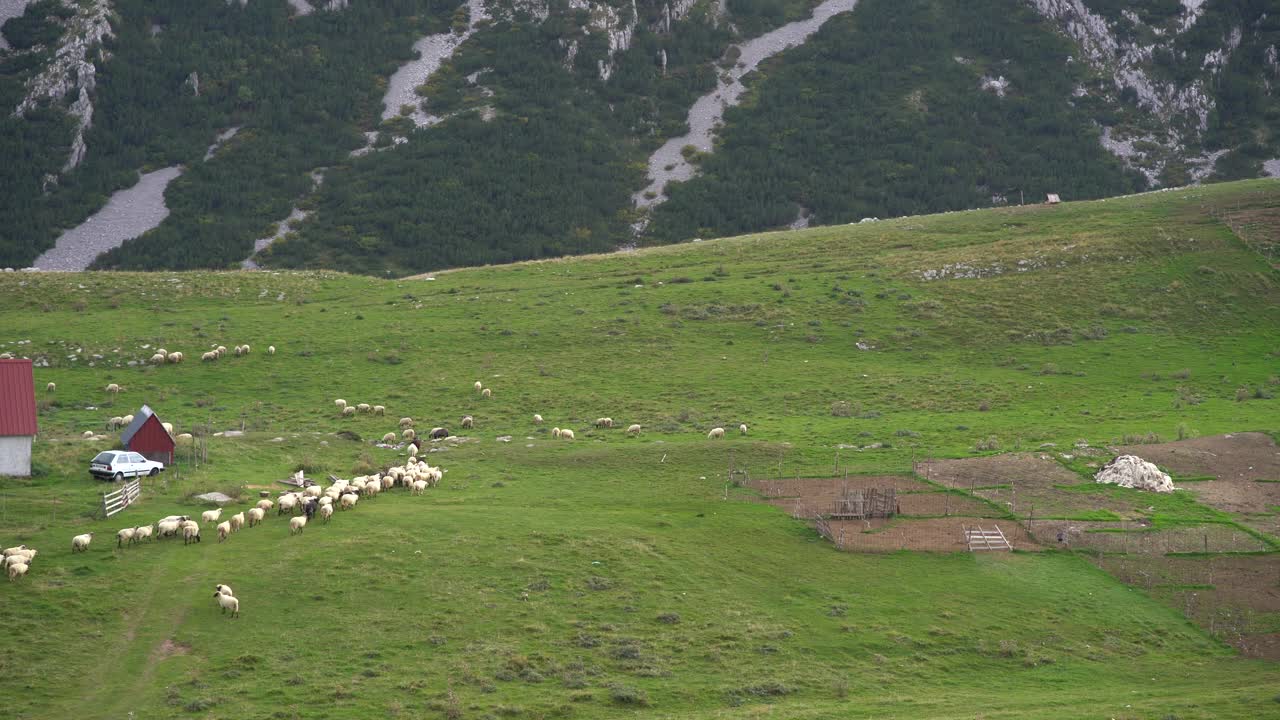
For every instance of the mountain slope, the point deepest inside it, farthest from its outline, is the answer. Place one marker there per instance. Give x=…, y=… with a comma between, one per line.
x=543, y=116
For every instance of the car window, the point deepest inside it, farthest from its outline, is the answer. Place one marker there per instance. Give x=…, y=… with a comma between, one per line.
x=104, y=458
x=135, y=457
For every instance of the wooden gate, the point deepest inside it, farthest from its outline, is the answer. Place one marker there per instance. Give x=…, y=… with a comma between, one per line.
x=864, y=504
x=117, y=500
x=978, y=538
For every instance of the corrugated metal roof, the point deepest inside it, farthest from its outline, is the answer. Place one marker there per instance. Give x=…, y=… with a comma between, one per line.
x=17, y=398
x=138, y=418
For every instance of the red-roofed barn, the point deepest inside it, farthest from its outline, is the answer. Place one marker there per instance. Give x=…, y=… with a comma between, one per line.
x=17, y=417
x=147, y=437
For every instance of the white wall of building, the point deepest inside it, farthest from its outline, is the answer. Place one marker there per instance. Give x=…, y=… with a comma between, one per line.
x=15, y=455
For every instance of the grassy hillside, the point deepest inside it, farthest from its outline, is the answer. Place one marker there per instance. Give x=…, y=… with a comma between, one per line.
x=617, y=576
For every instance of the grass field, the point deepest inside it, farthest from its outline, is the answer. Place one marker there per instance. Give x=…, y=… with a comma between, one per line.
x=616, y=576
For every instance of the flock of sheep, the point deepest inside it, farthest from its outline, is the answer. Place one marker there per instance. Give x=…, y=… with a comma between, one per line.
x=301, y=505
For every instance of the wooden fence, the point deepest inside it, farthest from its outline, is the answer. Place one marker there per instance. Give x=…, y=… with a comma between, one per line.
x=117, y=500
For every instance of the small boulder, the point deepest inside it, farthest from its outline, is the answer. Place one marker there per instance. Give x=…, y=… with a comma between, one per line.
x=1132, y=471
x=214, y=497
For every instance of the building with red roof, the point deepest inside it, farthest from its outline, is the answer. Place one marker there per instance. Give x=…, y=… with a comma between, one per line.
x=147, y=437
x=17, y=417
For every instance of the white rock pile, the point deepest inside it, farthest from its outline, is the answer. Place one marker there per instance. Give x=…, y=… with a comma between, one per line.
x=1132, y=471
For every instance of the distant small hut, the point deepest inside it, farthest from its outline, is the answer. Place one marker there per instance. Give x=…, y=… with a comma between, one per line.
x=1052, y=199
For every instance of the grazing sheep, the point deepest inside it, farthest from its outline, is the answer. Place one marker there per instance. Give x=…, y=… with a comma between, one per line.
x=175, y=357
x=237, y=521
x=348, y=412
x=228, y=602
x=142, y=532
x=468, y=422
x=51, y=387
x=265, y=504
x=555, y=432
x=14, y=550
x=406, y=422
x=604, y=422
x=223, y=590
x=566, y=434
x=168, y=528
x=408, y=434
x=17, y=570
x=287, y=503
x=168, y=427
x=348, y=501
x=238, y=351
x=190, y=533
x=221, y=350
x=633, y=430
x=125, y=536
x=326, y=512
x=255, y=516
x=126, y=420
x=313, y=491
x=247, y=349
x=224, y=530
x=418, y=487
x=210, y=517
x=113, y=388
x=296, y=524
x=537, y=419
x=742, y=428
x=479, y=385
x=161, y=351
x=86, y=434
x=439, y=433
x=80, y=543
x=184, y=436
x=364, y=407
x=271, y=349
x=209, y=357
x=25, y=557
x=388, y=439
x=485, y=393
x=715, y=433
x=379, y=410
x=159, y=359
x=114, y=422
x=340, y=403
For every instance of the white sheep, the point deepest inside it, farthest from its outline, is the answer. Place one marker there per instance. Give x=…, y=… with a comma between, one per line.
x=265, y=504
x=348, y=412
x=14, y=550
x=296, y=524
x=537, y=419
x=364, y=407
x=287, y=503
x=418, y=487
x=388, y=439
x=228, y=602
x=313, y=491
x=408, y=434
x=379, y=410
x=255, y=516
x=80, y=543
x=125, y=536
x=115, y=422
x=413, y=451
x=184, y=437
x=604, y=422
x=126, y=420
x=159, y=359
x=468, y=422
x=190, y=532
x=271, y=349
x=224, y=590
x=478, y=385
x=742, y=428
x=17, y=570
x=239, y=350
x=168, y=427
x=348, y=501
x=161, y=351
x=51, y=387
x=26, y=556
x=340, y=403
x=168, y=528
x=555, y=432
x=210, y=517
x=224, y=530
x=406, y=422
x=247, y=349
x=485, y=393
x=142, y=532
x=175, y=357
x=220, y=350
x=209, y=356
x=633, y=429
x=237, y=521
x=566, y=434
x=113, y=388
x=86, y=434
x=715, y=433
x=326, y=512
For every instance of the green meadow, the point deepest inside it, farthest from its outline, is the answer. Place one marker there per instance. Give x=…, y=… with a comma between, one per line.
x=619, y=576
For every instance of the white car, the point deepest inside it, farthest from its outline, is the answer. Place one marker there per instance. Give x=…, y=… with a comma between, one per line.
x=120, y=464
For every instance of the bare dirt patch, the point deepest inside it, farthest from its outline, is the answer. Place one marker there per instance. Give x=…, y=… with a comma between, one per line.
x=169, y=648
x=928, y=534
x=1235, y=456
x=804, y=496
x=1140, y=538
x=1020, y=468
